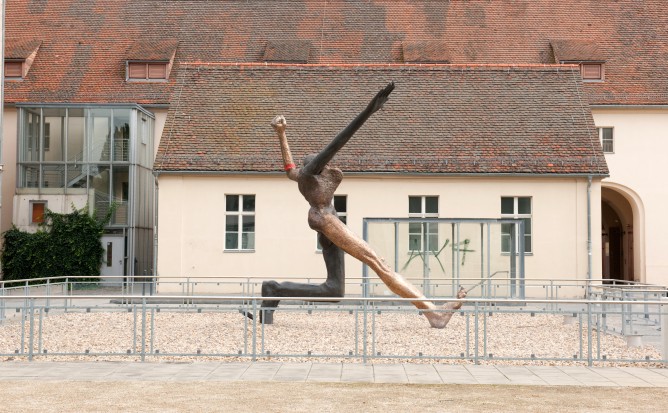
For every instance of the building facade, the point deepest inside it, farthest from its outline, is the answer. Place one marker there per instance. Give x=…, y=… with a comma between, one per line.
x=105, y=64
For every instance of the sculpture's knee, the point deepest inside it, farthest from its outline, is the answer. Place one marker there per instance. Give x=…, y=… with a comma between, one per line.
x=336, y=290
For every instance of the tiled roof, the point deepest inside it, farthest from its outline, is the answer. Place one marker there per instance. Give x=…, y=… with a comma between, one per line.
x=439, y=119
x=293, y=51
x=85, y=43
x=152, y=49
x=20, y=48
x=576, y=50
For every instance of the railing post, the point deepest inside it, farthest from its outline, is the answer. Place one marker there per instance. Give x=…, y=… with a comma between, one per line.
x=143, y=328
x=475, y=328
x=664, y=328
x=31, y=337
x=590, y=361
x=256, y=315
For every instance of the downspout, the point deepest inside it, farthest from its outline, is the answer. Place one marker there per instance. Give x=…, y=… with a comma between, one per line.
x=155, y=232
x=2, y=96
x=589, y=245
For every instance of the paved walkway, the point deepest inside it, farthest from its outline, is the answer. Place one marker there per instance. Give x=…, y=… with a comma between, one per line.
x=336, y=373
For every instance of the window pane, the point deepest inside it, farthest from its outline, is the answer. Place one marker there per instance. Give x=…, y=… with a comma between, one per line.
x=121, y=134
x=30, y=150
x=231, y=241
x=607, y=133
x=414, y=205
x=340, y=203
x=506, y=228
x=231, y=203
x=524, y=205
x=344, y=219
x=507, y=205
x=505, y=243
x=415, y=242
x=527, y=225
x=29, y=176
x=157, y=71
x=53, y=134
x=432, y=228
x=249, y=203
x=100, y=129
x=75, y=176
x=248, y=224
x=431, y=204
x=248, y=241
x=232, y=223
x=414, y=228
x=75, y=135
x=137, y=70
x=527, y=243
x=53, y=176
x=13, y=69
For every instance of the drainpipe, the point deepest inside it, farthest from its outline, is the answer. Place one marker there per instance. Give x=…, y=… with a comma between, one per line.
x=155, y=232
x=589, y=248
x=2, y=94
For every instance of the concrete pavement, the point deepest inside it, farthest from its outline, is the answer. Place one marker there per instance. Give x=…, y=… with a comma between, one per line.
x=336, y=373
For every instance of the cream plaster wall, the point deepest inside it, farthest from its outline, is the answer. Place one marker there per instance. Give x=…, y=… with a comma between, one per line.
x=9, y=142
x=637, y=170
x=191, y=222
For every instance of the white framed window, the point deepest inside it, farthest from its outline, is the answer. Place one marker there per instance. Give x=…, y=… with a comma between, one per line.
x=607, y=139
x=518, y=207
x=239, y=222
x=37, y=210
x=422, y=236
x=341, y=207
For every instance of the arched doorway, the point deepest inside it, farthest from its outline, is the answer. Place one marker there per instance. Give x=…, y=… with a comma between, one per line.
x=619, y=219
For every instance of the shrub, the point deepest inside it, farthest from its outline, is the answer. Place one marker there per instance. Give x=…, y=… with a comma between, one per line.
x=64, y=245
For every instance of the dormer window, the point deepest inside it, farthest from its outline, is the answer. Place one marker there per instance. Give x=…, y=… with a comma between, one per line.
x=150, y=60
x=586, y=54
x=591, y=71
x=13, y=69
x=147, y=70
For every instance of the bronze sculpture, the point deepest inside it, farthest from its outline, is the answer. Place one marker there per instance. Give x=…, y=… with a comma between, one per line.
x=317, y=182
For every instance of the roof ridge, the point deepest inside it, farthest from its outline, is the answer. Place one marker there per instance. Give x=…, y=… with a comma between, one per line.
x=196, y=64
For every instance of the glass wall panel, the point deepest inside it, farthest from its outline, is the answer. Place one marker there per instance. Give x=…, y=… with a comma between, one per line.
x=121, y=135
x=75, y=135
x=53, y=134
x=100, y=129
x=121, y=194
x=53, y=176
x=30, y=147
x=100, y=185
x=29, y=176
x=76, y=177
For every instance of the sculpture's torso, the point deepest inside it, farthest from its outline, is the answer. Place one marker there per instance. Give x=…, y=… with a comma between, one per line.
x=319, y=190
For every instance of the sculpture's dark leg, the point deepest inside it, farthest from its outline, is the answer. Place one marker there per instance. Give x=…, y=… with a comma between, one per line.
x=333, y=287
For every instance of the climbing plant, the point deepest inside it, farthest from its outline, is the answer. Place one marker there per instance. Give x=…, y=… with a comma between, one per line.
x=64, y=245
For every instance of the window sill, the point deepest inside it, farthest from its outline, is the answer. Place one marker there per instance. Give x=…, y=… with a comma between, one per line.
x=238, y=251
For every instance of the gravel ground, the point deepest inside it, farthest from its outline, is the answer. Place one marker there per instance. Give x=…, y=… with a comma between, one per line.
x=327, y=335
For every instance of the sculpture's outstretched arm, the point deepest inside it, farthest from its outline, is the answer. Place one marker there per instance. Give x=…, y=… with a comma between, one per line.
x=318, y=163
x=279, y=124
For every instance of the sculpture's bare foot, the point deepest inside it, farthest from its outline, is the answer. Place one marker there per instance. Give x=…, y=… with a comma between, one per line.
x=442, y=318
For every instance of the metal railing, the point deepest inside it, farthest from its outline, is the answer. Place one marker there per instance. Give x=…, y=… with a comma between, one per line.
x=369, y=328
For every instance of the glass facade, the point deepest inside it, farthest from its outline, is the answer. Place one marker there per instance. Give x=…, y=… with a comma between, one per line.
x=103, y=152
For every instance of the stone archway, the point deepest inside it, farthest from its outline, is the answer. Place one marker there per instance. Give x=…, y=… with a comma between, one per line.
x=622, y=233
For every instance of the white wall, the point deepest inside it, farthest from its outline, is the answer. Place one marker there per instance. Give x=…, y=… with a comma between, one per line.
x=637, y=169
x=191, y=221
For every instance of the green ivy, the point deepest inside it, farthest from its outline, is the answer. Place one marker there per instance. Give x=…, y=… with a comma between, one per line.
x=64, y=245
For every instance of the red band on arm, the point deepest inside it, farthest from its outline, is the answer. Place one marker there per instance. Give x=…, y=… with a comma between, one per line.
x=290, y=166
